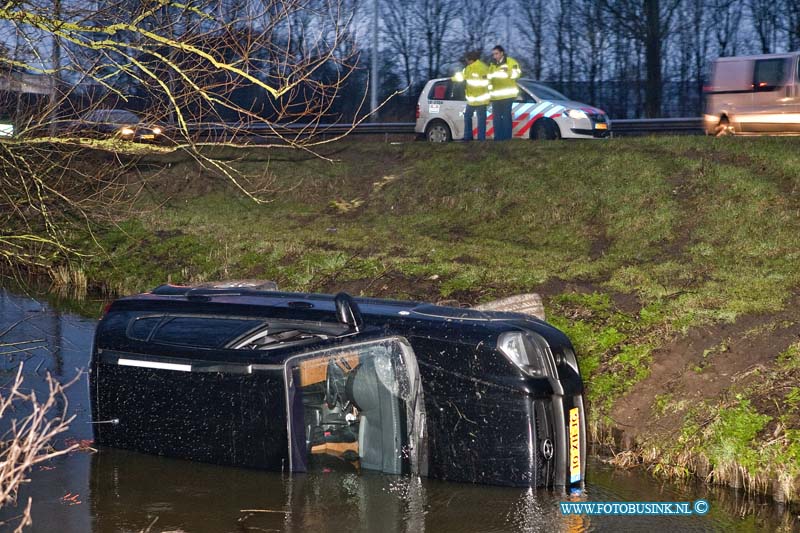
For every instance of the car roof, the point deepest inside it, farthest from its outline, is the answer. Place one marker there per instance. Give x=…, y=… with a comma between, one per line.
x=733, y=59
x=393, y=316
x=110, y=113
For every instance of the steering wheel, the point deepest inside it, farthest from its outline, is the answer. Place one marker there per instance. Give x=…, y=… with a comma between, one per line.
x=334, y=385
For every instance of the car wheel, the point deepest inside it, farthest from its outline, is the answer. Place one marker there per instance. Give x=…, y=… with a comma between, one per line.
x=723, y=128
x=545, y=129
x=438, y=132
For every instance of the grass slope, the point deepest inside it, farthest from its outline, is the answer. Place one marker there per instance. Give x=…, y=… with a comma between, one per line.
x=652, y=254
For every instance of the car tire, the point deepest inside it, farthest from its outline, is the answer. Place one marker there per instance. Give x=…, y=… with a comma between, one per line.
x=438, y=132
x=723, y=128
x=545, y=129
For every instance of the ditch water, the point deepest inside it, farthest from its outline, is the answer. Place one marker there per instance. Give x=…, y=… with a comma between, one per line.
x=118, y=491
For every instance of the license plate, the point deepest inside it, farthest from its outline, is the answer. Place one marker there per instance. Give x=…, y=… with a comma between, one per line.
x=601, y=126
x=148, y=136
x=574, y=445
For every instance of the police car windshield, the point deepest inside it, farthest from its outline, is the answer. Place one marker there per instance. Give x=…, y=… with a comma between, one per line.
x=542, y=91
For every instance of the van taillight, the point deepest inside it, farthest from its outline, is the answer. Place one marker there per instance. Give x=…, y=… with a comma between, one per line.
x=106, y=308
x=417, y=110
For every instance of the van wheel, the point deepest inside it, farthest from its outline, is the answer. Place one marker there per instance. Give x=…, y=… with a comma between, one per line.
x=438, y=132
x=723, y=128
x=545, y=129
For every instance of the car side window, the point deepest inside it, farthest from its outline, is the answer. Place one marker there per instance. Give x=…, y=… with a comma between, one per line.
x=198, y=332
x=438, y=91
x=523, y=96
x=447, y=90
x=769, y=74
x=457, y=91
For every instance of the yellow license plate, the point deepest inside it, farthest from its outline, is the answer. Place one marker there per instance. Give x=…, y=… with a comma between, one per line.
x=148, y=136
x=601, y=126
x=574, y=445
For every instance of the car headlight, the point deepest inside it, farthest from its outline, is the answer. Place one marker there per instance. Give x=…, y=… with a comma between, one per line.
x=156, y=130
x=577, y=113
x=529, y=352
x=126, y=131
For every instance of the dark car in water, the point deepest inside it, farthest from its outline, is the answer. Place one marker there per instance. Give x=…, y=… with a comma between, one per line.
x=293, y=382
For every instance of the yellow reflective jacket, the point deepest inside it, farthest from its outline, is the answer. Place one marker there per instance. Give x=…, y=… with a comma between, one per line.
x=475, y=76
x=503, y=79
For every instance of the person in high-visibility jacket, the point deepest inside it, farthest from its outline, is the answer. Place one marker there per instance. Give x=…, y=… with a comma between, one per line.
x=503, y=74
x=474, y=75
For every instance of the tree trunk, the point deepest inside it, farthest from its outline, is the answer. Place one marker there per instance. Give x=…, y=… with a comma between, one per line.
x=55, y=77
x=653, y=59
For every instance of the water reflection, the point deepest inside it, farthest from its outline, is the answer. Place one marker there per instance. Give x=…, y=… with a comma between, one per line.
x=120, y=491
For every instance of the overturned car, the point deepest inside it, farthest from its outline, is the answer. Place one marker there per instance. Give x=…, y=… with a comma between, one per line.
x=291, y=382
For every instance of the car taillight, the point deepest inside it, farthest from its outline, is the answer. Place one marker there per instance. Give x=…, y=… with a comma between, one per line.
x=417, y=110
x=106, y=308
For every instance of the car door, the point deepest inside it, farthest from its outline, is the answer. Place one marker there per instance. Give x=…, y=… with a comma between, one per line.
x=522, y=114
x=446, y=101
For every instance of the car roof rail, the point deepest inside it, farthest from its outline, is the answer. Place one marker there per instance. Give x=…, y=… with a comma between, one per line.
x=347, y=311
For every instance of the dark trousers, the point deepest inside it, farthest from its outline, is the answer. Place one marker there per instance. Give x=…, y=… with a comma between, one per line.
x=502, y=119
x=481, y=112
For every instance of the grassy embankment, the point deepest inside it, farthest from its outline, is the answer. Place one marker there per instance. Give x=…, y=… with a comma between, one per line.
x=672, y=263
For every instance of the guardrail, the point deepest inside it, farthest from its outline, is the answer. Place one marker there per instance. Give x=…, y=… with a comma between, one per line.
x=664, y=126
x=619, y=128
x=262, y=130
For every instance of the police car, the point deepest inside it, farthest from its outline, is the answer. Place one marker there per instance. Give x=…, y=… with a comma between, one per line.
x=538, y=113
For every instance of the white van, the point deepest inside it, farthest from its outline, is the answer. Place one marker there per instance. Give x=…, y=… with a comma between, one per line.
x=754, y=95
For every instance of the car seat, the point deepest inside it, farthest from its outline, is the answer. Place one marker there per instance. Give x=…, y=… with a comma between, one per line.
x=379, y=432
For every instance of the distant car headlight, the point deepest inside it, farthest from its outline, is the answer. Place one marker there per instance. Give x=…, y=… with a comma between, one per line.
x=156, y=130
x=577, y=113
x=529, y=352
x=126, y=131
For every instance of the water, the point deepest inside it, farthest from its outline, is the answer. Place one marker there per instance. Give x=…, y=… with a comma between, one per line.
x=120, y=491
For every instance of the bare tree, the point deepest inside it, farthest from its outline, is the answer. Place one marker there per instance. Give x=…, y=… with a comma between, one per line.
x=479, y=23
x=648, y=22
x=194, y=57
x=690, y=52
x=267, y=70
x=764, y=14
x=404, y=37
x=791, y=23
x=434, y=18
x=593, y=44
x=565, y=40
x=532, y=26
x=725, y=17
x=29, y=427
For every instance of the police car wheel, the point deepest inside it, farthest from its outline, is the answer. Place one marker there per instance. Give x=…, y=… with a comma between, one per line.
x=438, y=132
x=545, y=129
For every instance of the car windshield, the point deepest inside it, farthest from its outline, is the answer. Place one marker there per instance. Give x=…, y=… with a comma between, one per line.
x=542, y=91
x=114, y=116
